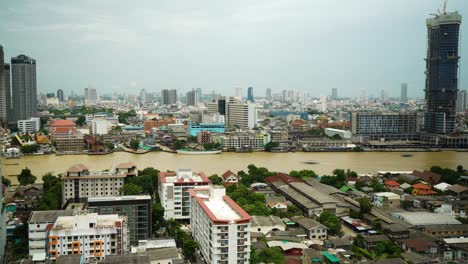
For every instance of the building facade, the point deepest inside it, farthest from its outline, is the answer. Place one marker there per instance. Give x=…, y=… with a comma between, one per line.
x=24, y=90
x=192, y=98
x=250, y=95
x=4, y=92
x=462, y=101
x=386, y=125
x=442, y=72
x=30, y=125
x=99, y=127
x=220, y=226
x=91, y=96
x=60, y=95
x=137, y=209
x=193, y=129
x=174, y=192
x=244, y=140
x=168, y=97
x=79, y=182
x=404, y=92
x=95, y=236
x=242, y=115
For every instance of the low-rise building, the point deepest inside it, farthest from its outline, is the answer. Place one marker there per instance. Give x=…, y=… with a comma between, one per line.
x=425, y=218
x=194, y=128
x=95, y=236
x=204, y=137
x=162, y=251
x=386, y=199
x=230, y=177
x=137, y=209
x=220, y=226
x=79, y=182
x=29, y=125
x=314, y=229
x=174, y=192
x=266, y=224
x=38, y=224
x=245, y=140
x=344, y=134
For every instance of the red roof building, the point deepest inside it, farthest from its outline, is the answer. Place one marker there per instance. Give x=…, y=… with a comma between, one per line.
x=392, y=185
x=420, y=189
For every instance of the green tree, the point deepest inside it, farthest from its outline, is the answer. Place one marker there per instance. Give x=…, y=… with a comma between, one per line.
x=358, y=241
x=331, y=221
x=33, y=148
x=134, y=144
x=52, y=197
x=6, y=181
x=157, y=212
x=80, y=121
x=178, y=144
x=110, y=145
x=365, y=207
x=21, y=243
x=336, y=137
x=26, y=177
x=303, y=174
x=271, y=255
x=460, y=169
x=189, y=248
x=130, y=189
x=387, y=247
x=271, y=145
x=215, y=179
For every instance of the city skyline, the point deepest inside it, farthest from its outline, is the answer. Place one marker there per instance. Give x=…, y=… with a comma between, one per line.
x=285, y=58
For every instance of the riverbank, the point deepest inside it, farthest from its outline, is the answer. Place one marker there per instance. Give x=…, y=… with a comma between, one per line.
x=361, y=162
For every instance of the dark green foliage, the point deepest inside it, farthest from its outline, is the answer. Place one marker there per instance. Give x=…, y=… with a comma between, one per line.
x=178, y=144
x=388, y=247
x=29, y=148
x=271, y=145
x=21, y=243
x=130, y=189
x=52, y=196
x=365, y=207
x=448, y=175
x=336, y=137
x=123, y=117
x=6, y=181
x=157, y=212
x=189, y=248
x=331, y=221
x=271, y=255
x=110, y=145
x=134, y=144
x=26, y=177
x=211, y=145
x=215, y=179
x=80, y=121
x=147, y=180
x=255, y=174
x=339, y=178
x=303, y=174
x=358, y=241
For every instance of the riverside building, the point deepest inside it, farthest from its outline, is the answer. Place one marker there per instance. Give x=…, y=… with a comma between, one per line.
x=220, y=226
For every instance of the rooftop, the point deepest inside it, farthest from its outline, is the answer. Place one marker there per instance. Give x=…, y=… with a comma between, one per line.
x=119, y=198
x=48, y=216
x=82, y=221
x=307, y=223
x=139, y=258
x=388, y=195
x=183, y=176
x=425, y=218
x=266, y=220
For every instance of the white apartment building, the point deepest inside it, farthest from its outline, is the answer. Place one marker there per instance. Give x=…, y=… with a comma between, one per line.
x=242, y=115
x=220, y=226
x=386, y=199
x=99, y=127
x=245, y=140
x=29, y=125
x=174, y=192
x=95, y=236
x=38, y=232
x=344, y=134
x=79, y=182
x=213, y=118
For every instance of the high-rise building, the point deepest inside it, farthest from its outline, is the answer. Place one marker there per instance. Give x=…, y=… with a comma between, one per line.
x=91, y=96
x=462, y=101
x=404, y=91
x=173, y=190
x=383, y=95
x=200, y=94
x=442, y=72
x=238, y=93
x=4, y=92
x=24, y=89
x=31, y=125
x=192, y=98
x=250, y=96
x=387, y=125
x=60, y=95
x=268, y=93
x=143, y=96
x=220, y=226
x=334, y=93
x=168, y=97
x=323, y=104
x=242, y=115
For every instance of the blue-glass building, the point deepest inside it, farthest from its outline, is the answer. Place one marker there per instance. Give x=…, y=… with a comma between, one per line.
x=250, y=96
x=442, y=72
x=194, y=128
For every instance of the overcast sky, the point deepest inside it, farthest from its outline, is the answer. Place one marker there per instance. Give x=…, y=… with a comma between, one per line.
x=309, y=45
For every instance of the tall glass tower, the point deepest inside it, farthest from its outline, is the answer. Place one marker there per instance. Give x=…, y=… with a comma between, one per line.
x=442, y=72
x=250, y=96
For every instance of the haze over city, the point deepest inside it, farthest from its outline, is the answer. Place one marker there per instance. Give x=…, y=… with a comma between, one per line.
x=311, y=46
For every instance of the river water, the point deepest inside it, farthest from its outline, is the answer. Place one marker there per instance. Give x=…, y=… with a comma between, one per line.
x=361, y=162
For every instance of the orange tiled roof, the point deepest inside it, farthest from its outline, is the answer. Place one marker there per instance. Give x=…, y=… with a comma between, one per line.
x=421, y=186
x=392, y=183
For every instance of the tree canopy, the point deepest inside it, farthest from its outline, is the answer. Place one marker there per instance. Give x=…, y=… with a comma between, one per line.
x=331, y=221
x=303, y=174
x=215, y=179
x=26, y=177
x=52, y=196
x=271, y=145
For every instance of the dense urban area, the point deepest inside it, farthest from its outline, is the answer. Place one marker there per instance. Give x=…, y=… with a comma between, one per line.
x=127, y=213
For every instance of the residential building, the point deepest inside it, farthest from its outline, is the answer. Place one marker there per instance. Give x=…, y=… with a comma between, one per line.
x=370, y=241
x=157, y=123
x=212, y=118
x=279, y=136
x=385, y=125
x=462, y=101
x=344, y=134
x=386, y=199
x=60, y=95
x=24, y=89
x=95, y=236
x=250, y=96
x=242, y=115
x=426, y=219
x=220, y=226
x=4, y=91
x=79, y=182
x=194, y=128
x=91, y=96
x=204, y=137
x=174, y=191
x=443, y=31
x=268, y=93
x=312, y=256
x=230, y=177
x=420, y=189
x=168, y=97
x=192, y=98
x=137, y=209
x=31, y=125
x=392, y=185
x=404, y=92
x=266, y=224
x=99, y=127
x=314, y=229
x=162, y=251
x=143, y=96
x=334, y=95
x=69, y=142
x=245, y=140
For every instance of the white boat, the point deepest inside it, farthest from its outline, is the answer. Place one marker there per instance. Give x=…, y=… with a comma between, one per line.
x=198, y=152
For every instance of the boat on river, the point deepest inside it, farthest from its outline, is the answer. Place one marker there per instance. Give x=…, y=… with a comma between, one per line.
x=198, y=152
x=310, y=162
